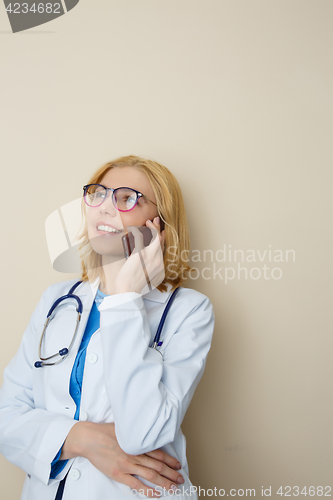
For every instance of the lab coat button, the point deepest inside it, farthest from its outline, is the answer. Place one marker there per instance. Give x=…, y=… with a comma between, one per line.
x=83, y=415
x=74, y=474
x=92, y=358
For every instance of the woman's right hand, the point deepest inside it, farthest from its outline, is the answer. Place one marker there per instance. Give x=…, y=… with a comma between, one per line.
x=98, y=443
x=145, y=264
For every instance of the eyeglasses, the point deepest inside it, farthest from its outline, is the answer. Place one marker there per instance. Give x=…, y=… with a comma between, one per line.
x=123, y=198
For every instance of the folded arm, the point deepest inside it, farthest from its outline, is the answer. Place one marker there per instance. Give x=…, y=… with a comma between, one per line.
x=149, y=395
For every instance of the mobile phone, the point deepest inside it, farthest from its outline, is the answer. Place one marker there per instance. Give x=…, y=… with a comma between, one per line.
x=129, y=243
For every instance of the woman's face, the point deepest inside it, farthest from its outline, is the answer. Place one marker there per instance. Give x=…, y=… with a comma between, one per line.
x=106, y=243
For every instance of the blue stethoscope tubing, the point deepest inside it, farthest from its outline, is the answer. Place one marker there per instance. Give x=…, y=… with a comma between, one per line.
x=65, y=351
x=157, y=342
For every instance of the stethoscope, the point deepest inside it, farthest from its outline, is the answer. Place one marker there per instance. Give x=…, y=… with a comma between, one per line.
x=63, y=353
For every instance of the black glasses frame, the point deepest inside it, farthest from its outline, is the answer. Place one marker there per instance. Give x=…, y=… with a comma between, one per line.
x=138, y=196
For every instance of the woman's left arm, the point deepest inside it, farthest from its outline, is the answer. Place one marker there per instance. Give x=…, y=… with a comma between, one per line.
x=149, y=395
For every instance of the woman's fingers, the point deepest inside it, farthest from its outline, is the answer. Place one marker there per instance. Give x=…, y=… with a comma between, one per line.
x=135, y=484
x=145, y=267
x=153, y=254
x=156, y=246
x=103, y=451
x=156, y=223
x=159, y=473
x=162, y=456
x=157, y=478
x=154, y=226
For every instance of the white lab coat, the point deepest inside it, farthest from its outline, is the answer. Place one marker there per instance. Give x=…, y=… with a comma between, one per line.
x=125, y=381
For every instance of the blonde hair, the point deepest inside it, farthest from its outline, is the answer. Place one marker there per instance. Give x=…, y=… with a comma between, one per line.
x=171, y=210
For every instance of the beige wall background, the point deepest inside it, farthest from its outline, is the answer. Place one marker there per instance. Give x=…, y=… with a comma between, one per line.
x=234, y=97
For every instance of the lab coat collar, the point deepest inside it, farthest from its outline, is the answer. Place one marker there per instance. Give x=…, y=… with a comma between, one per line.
x=154, y=295
x=87, y=288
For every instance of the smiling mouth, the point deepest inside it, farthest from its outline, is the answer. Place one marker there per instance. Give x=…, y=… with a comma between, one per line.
x=108, y=229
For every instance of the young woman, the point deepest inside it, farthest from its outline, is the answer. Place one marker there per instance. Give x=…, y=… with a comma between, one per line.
x=91, y=406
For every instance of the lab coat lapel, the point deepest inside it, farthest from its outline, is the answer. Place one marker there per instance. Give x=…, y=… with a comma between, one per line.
x=58, y=376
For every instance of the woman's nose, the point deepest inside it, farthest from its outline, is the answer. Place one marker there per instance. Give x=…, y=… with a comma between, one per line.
x=108, y=206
